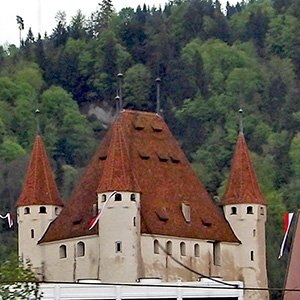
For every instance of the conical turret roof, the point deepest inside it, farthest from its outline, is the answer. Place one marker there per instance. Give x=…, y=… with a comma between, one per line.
x=118, y=172
x=40, y=187
x=243, y=185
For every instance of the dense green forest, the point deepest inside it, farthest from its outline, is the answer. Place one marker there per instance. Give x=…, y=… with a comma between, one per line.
x=211, y=62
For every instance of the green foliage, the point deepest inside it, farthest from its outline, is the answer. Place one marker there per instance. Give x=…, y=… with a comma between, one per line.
x=17, y=281
x=10, y=150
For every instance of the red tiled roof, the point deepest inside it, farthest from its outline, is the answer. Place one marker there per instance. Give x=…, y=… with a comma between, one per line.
x=118, y=172
x=164, y=176
x=40, y=187
x=243, y=185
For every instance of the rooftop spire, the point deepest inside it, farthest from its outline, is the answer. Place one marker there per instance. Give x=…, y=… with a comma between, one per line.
x=243, y=185
x=118, y=172
x=241, y=121
x=39, y=187
x=120, y=77
x=158, y=81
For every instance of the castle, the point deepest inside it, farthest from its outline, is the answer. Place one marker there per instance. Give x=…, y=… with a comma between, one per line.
x=158, y=220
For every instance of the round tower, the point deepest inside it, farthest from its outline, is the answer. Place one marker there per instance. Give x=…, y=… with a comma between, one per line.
x=119, y=222
x=38, y=205
x=245, y=209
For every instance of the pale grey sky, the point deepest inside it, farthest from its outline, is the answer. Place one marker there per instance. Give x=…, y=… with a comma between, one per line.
x=29, y=11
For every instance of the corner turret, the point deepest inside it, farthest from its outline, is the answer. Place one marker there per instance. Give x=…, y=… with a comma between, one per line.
x=245, y=209
x=119, y=225
x=38, y=205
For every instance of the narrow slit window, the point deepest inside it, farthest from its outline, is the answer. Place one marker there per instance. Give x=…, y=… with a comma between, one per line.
x=252, y=255
x=156, y=247
x=254, y=232
x=32, y=233
x=134, y=221
x=118, y=246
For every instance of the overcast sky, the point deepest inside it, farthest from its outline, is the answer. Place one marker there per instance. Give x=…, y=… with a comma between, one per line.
x=29, y=11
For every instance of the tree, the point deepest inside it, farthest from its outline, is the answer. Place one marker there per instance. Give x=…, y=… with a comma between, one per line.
x=17, y=281
x=20, y=23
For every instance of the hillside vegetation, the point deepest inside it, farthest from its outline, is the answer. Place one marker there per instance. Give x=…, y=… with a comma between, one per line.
x=210, y=63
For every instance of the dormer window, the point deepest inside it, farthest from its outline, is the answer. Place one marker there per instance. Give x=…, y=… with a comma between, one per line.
x=186, y=211
x=103, y=198
x=233, y=210
x=118, y=197
x=26, y=211
x=43, y=210
x=249, y=210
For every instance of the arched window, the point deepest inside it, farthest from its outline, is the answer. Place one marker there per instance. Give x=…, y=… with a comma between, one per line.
x=182, y=249
x=26, y=211
x=32, y=233
x=80, y=249
x=43, y=210
x=249, y=210
x=118, y=197
x=197, y=250
x=62, y=251
x=103, y=198
x=169, y=247
x=156, y=247
x=233, y=210
x=132, y=197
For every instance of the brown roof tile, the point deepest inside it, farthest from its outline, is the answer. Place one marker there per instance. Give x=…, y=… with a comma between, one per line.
x=39, y=187
x=243, y=185
x=164, y=186
x=118, y=174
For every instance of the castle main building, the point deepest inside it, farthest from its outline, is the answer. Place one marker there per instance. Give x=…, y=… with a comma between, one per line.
x=158, y=220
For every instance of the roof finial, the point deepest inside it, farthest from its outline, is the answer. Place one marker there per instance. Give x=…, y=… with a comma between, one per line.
x=241, y=122
x=38, y=129
x=120, y=77
x=158, y=81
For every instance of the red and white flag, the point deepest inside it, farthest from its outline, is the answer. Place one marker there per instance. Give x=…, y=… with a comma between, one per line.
x=96, y=219
x=288, y=218
x=9, y=219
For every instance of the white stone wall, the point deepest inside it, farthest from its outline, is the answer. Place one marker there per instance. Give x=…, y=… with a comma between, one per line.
x=250, y=230
x=161, y=265
x=74, y=266
x=31, y=226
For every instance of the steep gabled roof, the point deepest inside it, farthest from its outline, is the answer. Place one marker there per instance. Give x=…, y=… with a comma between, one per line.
x=40, y=187
x=165, y=178
x=118, y=174
x=243, y=185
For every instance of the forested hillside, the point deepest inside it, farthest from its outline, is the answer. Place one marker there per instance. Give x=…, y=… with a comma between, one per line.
x=211, y=62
